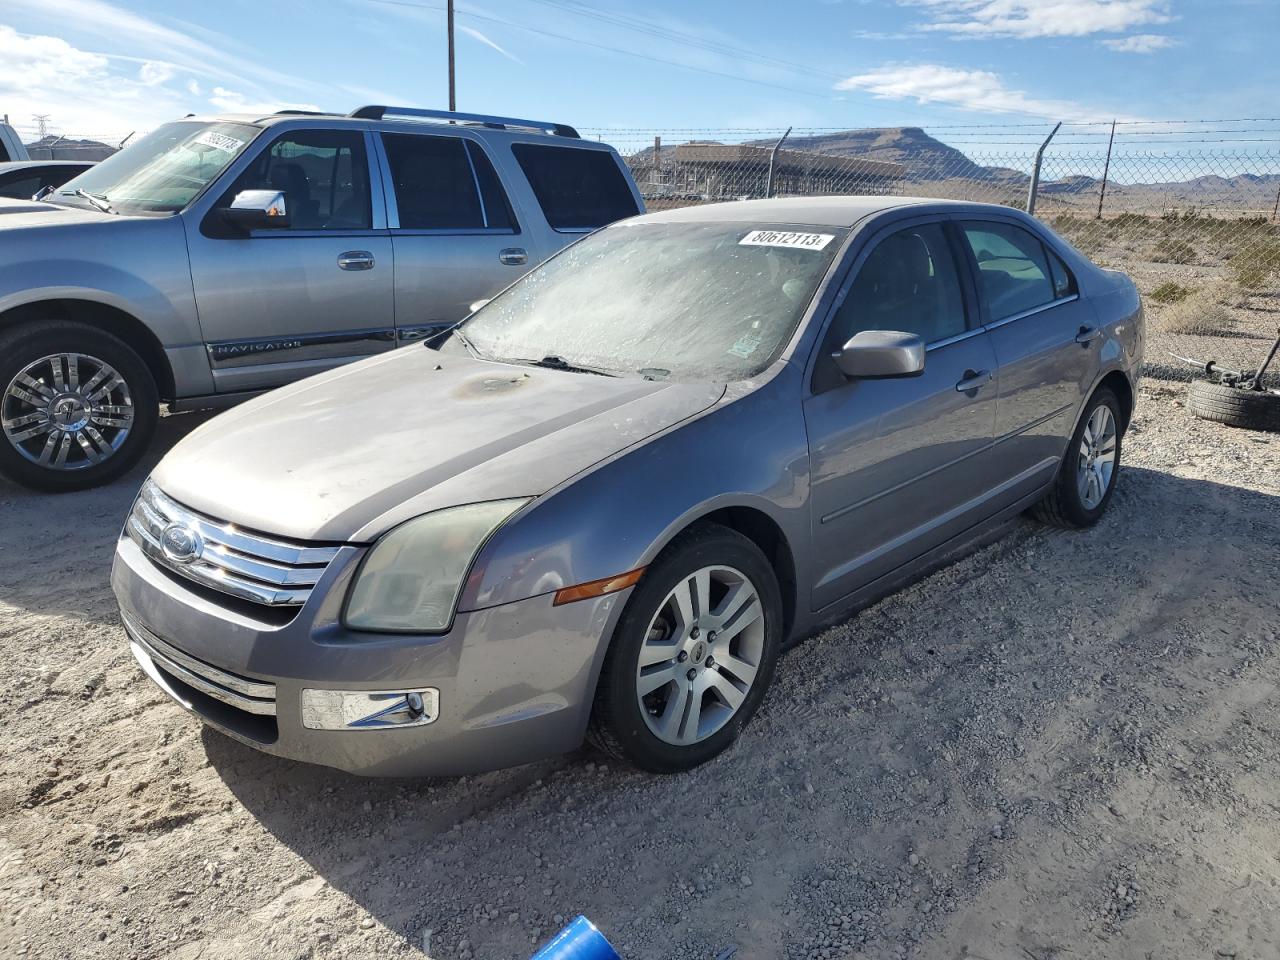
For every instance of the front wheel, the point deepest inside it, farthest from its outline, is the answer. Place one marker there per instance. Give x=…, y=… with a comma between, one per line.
x=1090, y=468
x=692, y=655
x=77, y=406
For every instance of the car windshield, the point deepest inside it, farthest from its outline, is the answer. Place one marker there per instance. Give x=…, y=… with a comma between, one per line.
x=686, y=301
x=163, y=171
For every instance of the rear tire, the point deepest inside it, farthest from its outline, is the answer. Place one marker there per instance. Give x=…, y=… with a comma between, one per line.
x=1076, y=501
x=692, y=655
x=78, y=406
x=1235, y=406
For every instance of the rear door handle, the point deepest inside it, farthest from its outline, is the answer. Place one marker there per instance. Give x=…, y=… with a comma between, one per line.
x=355, y=260
x=513, y=256
x=1087, y=335
x=973, y=381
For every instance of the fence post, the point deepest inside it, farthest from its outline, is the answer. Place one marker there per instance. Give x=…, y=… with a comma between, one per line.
x=1035, y=172
x=657, y=159
x=1106, y=168
x=1275, y=210
x=773, y=155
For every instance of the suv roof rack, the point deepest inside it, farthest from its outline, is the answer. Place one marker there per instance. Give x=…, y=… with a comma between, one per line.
x=377, y=112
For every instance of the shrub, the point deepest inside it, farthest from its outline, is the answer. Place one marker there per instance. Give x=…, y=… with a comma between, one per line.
x=1254, y=266
x=1170, y=292
x=1174, y=250
x=1202, y=312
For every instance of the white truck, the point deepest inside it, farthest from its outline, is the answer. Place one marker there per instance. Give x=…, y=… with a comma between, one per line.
x=11, y=147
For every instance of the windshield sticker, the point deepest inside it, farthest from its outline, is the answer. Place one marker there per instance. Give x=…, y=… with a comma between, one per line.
x=745, y=346
x=786, y=238
x=219, y=141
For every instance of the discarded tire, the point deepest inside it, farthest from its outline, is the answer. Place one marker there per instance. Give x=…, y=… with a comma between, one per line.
x=1235, y=406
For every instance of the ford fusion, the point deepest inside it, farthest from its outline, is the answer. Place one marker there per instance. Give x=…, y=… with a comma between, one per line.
x=607, y=501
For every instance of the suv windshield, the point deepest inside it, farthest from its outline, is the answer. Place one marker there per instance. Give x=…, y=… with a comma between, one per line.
x=163, y=171
x=689, y=301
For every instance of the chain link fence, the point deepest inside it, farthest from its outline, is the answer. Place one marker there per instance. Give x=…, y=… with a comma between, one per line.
x=1198, y=230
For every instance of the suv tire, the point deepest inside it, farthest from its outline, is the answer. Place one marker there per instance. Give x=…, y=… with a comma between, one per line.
x=670, y=713
x=78, y=406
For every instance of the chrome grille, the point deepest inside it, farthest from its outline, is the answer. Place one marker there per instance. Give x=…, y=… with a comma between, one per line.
x=277, y=573
x=252, y=696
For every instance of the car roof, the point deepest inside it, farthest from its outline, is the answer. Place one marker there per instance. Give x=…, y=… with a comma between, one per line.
x=28, y=164
x=815, y=211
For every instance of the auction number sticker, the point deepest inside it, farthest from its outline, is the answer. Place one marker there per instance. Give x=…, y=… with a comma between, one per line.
x=219, y=141
x=786, y=238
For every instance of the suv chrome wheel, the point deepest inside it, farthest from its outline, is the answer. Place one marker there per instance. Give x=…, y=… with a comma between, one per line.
x=1097, y=457
x=700, y=655
x=67, y=411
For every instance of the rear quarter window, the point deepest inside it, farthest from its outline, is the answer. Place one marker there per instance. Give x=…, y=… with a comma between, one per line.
x=577, y=189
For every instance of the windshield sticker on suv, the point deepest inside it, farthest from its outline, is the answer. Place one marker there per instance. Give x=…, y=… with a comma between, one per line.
x=219, y=141
x=785, y=238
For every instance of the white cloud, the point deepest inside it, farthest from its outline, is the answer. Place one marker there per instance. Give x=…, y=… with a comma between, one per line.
x=1141, y=43
x=232, y=101
x=153, y=72
x=193, y=88
x=1026, y=19
x=472, y=32
x=927, y=83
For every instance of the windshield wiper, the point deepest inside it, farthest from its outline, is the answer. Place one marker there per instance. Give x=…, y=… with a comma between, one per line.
x=553, y=362
x=96, y=201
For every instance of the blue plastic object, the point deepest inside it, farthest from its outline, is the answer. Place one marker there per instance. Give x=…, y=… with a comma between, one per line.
x=580, y=940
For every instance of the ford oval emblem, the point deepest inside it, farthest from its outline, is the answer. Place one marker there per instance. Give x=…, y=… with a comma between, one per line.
x=180, y=543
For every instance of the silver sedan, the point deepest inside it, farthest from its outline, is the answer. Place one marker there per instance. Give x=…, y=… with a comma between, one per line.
x=608, y=501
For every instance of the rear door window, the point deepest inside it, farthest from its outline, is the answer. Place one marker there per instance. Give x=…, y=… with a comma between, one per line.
x=434, y=184
x=577, y=189
x=1012, y=266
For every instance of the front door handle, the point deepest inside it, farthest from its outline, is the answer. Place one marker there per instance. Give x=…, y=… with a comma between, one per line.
x=1087, y=335
x=355, y=260
x=513, y=256
x=973, y=381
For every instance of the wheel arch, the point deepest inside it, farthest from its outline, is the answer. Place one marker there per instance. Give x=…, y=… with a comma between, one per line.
x=1117, y=381
x=106, y=317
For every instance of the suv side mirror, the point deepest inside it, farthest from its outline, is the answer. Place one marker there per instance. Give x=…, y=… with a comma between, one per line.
x=257, y=210
x=879, y=354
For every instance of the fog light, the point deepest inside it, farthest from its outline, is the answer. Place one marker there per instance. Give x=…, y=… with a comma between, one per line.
x=369, y=709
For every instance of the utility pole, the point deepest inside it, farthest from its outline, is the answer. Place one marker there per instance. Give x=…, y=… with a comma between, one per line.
x=42, y=123
x=453, y=99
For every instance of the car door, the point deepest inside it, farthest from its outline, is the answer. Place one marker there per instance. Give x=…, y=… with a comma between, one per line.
x=283, y=303
x=455, y=234
x=897, y=465
x=1046, y=341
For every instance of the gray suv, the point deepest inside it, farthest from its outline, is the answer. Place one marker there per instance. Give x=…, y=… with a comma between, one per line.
x=219, y=257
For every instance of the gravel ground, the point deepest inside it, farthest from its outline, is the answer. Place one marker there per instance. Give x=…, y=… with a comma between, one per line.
x=1062, y=746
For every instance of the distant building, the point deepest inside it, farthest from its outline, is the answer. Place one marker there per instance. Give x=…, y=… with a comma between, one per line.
x=719, y=171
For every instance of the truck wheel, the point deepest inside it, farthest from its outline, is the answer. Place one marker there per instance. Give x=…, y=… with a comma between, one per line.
x=1235, y=406
x=77, y=406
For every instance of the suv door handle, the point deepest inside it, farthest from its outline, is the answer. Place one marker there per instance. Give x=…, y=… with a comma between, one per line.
x=513, y=256
x=1087, y=335
x=973, y=381
x=355, y=260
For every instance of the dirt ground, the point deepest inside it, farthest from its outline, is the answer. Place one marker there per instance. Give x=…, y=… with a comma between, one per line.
x=1065, y=745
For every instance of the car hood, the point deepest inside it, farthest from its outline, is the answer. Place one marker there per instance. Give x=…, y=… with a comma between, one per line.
x=346, y=455
x=20, y=214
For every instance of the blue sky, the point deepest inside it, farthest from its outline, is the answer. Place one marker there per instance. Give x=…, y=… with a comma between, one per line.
x=108, y=68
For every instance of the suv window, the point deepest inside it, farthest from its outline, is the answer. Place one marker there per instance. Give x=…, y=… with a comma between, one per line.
x=909, y=283
x=324, y=175
x=577, y=189
x=435, y=188
x=1013, y=267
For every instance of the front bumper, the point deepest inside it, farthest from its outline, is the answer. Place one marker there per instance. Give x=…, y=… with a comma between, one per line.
x=511, y=684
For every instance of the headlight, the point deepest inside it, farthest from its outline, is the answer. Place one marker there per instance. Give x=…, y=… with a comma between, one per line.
x=410, y=580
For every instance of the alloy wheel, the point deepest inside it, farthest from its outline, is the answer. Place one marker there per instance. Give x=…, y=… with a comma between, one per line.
x=1097, y=460
x=700, y=656
x=67, y=411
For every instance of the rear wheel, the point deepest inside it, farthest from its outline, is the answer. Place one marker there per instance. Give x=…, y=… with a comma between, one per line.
x=77, y=406
x=692, y=655
x=1090, y=468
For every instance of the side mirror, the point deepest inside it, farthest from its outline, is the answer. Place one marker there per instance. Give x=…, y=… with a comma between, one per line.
x=257, y=210
x=476, y=306
x=879, y=354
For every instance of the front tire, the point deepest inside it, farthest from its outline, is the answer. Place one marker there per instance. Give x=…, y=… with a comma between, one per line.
x=78, y=406
x=692, y=655
x=1090, y=468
